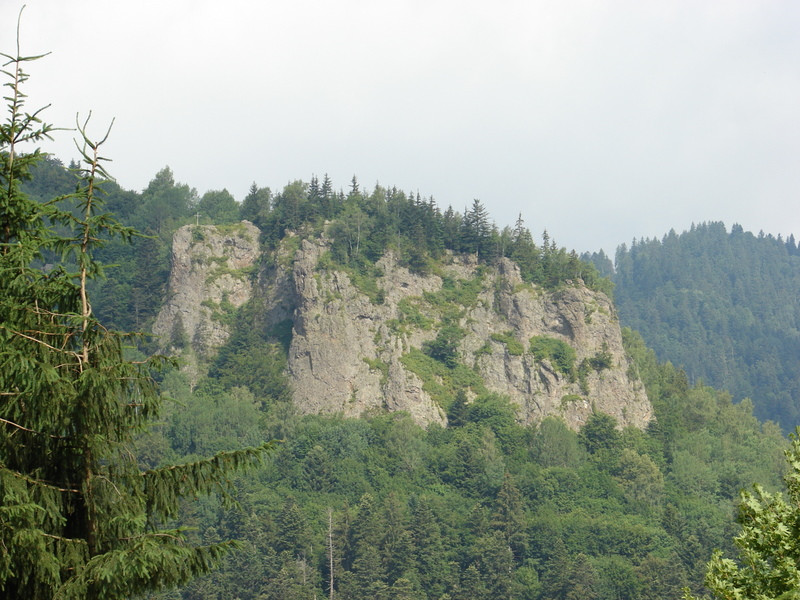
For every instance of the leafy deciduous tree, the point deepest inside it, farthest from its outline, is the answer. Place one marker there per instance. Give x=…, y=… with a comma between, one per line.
x=218, y=206
x=769, y=548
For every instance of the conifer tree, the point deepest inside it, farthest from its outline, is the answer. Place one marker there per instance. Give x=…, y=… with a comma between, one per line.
x=327, y=197
x=509, y=516
x=78, y=517
x=472, y=586
x=397, y=545
x=429, y=548
x=476, y=230
x=256, y=205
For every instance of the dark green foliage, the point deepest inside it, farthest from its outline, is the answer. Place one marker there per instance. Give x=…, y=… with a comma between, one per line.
x=458, y=413
x=475, y=230
x=165, y=205
x=558, y=352
x=292, y=536
x=509, y=518
x=554, y=445
x=599, y=433
x=256, y=205
x=488, y=508
x=258, y=366
x=767, y=543
x=218, y=207
x=289, y=210
x=48, y=179
x=444, y=347
x=214, y=420
x=137, y=272
x=362, y=227
x=723, y=306
x=498, y=414
x=254, y=356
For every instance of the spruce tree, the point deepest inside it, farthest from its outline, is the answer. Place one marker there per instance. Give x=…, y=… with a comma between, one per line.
x=476, y=230
x=79, y=518
x=509, y=517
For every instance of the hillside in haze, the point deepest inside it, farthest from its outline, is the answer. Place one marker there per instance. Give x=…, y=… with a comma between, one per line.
x=724, y=306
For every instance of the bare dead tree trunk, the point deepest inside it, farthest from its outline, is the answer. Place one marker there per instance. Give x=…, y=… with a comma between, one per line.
x=330, y=550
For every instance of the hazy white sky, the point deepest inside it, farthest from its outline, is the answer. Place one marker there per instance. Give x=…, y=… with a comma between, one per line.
x=600, y=121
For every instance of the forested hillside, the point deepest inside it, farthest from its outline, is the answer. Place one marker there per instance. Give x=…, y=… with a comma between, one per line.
x=382, y=508
x=725, y=306
x=484, y=508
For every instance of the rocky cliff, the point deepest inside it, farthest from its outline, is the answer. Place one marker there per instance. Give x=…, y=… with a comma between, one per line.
x=410, y=342
x=211, y=276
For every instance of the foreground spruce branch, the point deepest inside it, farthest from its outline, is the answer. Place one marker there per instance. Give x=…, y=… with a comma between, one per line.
x=78, y=517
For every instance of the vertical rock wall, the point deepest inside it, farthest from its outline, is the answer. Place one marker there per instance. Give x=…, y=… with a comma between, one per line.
x=347, y=352
x=212, y=275
x=350, y=354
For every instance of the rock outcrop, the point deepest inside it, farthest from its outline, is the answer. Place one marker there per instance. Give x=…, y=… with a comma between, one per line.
x=349, y=354
x=211, y=276
x=354, y=351
x=342, y=358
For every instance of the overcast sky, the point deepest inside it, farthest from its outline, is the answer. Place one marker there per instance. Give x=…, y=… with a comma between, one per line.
x=599, y=121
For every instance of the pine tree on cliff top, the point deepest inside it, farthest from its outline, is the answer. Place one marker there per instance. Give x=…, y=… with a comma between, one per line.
x=78, y=517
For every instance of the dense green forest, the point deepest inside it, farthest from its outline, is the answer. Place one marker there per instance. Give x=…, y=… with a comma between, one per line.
x=724, y=306
x=484, y=508
x=99, y=501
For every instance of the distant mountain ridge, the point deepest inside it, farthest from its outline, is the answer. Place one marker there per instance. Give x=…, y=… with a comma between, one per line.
x=725, y=306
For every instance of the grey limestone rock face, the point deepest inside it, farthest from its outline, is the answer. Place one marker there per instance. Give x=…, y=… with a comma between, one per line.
x=341, y=359
x=585, y=320
x=211, y=276
x=349, y=354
